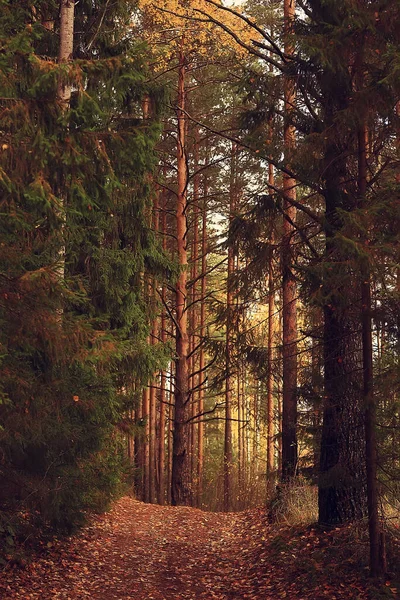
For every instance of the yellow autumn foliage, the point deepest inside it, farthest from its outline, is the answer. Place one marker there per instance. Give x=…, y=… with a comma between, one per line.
x=193, y=26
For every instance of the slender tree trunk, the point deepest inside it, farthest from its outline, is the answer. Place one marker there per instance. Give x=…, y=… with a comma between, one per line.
x=240, y=411
x=256, y=421
x=139, y=457
x=279, y=400
x=195, y=319
x=289, y=291
x=170, y=428
x=228, y=454
x=376, y=566
x=153, y=390
x=152, y=433
x=316, y=318
x=270, y=398
x=146, y=444
x=181, y=476
x=131, y=440
x=163, y=379
x=202, y=363
x=240, y=439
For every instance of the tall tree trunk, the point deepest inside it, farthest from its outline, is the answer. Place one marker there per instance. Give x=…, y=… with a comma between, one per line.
x=153, y=445
x=289, y=291
x=152, y=439
x=202, y=362
x=163, y=379
x=195, y=319
x=376, y=566
x=65, y=52
x=341, y=493
x=240, y=411
x=228, y=454
x=240, y=439
x=270, y=398
x=170, y=440
x=181, y=476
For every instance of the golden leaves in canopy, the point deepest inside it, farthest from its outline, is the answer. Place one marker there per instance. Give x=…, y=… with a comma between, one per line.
x=194, y=26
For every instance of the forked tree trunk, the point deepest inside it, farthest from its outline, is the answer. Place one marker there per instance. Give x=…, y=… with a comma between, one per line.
x=289, y=291
x=181, y=476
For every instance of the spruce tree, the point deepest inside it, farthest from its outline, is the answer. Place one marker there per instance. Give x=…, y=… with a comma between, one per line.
x=75, y=188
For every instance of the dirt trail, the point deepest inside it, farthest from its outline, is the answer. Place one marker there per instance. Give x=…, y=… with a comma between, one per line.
x=137, y=552
x=147, y=552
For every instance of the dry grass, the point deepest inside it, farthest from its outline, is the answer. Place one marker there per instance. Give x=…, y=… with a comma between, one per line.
x=295, y=503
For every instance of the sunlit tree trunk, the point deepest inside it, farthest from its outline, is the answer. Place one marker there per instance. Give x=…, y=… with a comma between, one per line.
x=131, y=439
x=67, y=10
x=181, y=476
x=228, y=454
x=64, y=89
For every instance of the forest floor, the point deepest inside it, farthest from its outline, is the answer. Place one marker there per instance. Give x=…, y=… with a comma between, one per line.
x=146, y=552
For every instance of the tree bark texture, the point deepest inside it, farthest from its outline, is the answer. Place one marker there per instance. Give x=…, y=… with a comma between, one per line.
x=289, y=288
x=181, y=475
x=342, y=493
x=67, y=11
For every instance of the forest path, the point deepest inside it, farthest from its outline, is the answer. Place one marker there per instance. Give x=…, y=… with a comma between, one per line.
x=148, y=552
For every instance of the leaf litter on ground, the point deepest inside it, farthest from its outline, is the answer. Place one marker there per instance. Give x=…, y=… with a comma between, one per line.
x=141, y=551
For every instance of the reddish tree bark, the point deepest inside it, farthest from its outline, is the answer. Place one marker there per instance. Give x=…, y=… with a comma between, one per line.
x=228, y=452
x=181, y=475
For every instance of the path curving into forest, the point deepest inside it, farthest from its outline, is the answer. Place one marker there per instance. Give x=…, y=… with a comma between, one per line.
x=148, y=552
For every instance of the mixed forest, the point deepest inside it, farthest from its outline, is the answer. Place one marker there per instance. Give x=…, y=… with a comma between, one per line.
x=200, y=263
